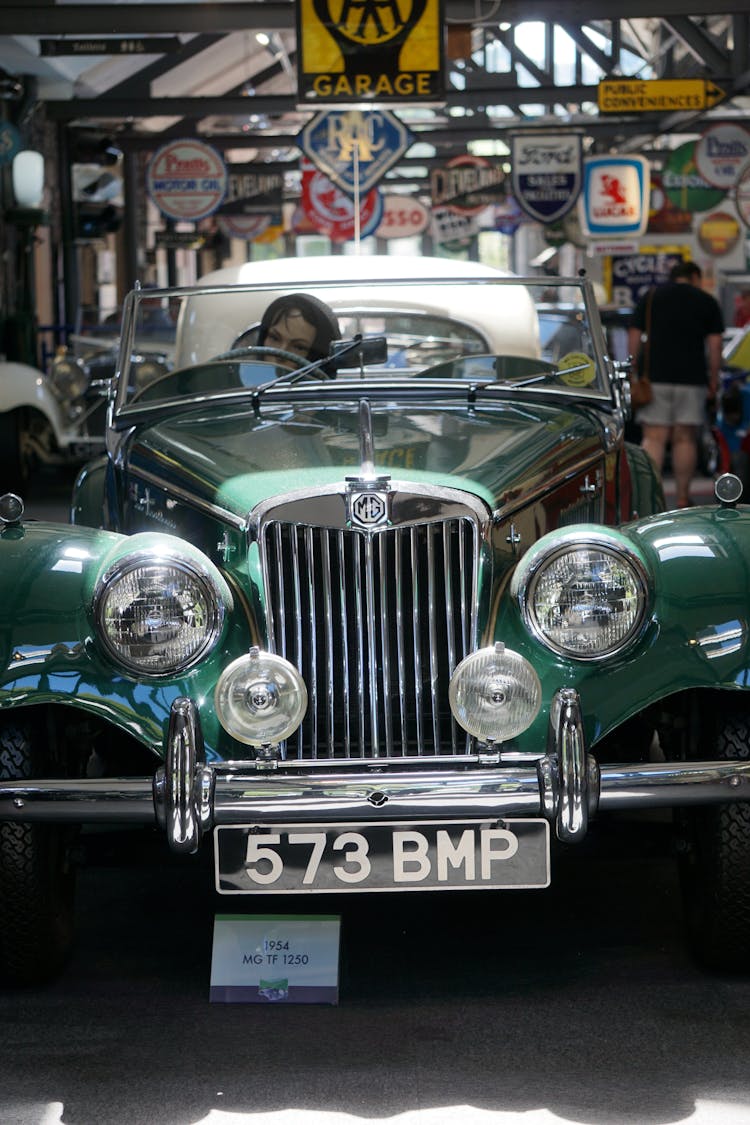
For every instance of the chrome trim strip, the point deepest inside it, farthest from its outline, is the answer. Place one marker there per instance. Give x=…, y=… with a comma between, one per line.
x=384, y=649
x=328, y=639
x=366, y=440
x=182, y=787
x=400, y=640
x=358, y=601
x=432, y=632
x=312, y=685
x=567, y=733
x=345, y=646
x=372, y=654
x=417, y=642
x=189, y=498
x=338, y=798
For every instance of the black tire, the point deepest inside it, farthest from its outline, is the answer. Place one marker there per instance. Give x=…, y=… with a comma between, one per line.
x=715, y=865
x=37, y=877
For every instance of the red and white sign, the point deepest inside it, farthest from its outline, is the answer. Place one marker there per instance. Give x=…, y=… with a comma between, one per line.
x=331, y=210
x=246, y=227
x=721, y=153
x=615, y=196
x=187, y=180
x=403, y=216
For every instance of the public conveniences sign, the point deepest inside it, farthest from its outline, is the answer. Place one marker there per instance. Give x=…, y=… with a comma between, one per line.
x=357, y=50
x=187, y=180
x=657, y=95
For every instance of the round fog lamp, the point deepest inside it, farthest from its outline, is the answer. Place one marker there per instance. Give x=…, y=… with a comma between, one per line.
x=260, y=698
x=494, y=694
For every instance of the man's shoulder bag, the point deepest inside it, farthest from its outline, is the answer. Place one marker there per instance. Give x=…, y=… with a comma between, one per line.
x=641, y=390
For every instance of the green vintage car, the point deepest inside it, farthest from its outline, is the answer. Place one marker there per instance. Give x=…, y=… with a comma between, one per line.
x=404, y=616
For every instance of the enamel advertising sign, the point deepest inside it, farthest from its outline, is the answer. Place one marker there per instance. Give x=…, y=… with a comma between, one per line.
x=370, y=50
x=467, y=184
x=721, y=154
x=353, y=148
x=187, y=180
x=331, y=211
x=615, y=196
x=546, y=174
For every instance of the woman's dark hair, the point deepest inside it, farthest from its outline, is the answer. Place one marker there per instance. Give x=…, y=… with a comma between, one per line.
x=314, y=311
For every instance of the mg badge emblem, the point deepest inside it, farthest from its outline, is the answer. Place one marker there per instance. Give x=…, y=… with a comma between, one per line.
x=368, y=509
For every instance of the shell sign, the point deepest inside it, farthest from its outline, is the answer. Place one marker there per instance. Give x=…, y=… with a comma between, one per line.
x=615, y=196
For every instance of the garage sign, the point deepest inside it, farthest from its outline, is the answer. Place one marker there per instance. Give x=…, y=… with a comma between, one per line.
x=370, y=50
x=186, y=180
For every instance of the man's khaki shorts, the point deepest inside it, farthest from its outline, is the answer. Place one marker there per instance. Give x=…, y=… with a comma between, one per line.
x=674, y=404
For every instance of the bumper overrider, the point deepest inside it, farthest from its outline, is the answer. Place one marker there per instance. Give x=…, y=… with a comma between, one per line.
x=187, y=797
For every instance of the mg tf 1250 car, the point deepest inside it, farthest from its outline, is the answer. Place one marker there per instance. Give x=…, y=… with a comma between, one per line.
x=387, y=605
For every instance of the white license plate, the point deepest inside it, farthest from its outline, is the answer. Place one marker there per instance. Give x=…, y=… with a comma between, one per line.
x=381, y=856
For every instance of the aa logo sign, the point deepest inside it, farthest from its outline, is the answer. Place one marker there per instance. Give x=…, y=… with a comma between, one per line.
x=379, y=50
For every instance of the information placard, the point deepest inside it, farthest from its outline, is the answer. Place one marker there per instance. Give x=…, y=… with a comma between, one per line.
x=275, y=959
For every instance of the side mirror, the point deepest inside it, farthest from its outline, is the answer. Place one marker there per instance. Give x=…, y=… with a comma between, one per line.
x=359, y=352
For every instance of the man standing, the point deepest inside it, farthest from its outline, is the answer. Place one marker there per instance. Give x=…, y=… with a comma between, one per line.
x=682, y=355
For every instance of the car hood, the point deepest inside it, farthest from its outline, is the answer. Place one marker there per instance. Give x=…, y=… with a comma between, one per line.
x=499, y=452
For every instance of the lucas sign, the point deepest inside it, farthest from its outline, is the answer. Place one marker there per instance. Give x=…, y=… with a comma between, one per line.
x=370, y=50
x=615, y=196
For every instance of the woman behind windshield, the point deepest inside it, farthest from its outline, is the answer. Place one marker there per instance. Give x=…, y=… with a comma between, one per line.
x=301, y=324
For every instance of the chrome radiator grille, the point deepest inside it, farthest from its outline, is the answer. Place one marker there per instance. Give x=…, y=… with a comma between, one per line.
x=376, y=623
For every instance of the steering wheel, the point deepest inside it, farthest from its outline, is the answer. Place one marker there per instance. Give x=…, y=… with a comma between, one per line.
x=264, y=353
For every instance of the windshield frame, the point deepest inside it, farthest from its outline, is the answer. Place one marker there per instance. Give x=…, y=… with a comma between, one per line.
x=125, y=411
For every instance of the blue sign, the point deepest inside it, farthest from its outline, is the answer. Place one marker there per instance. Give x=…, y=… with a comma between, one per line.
x=616, y=193
x=10, y=142
x=355, y=148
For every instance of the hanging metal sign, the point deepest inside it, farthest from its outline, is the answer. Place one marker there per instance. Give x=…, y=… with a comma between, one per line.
x=370, y=50
x=615, y=196
x=546, y=174
x=353, y=148
x=253, y=193
x=109, y=45
x=186, y=179
x=467, y=184
x=684, y=184
x=721, y=153
x=331, y=211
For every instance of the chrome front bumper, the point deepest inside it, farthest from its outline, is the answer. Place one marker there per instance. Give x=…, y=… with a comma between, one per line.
x=187, y=797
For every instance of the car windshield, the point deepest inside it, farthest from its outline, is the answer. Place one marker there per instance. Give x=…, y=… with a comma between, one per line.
x=233, y=339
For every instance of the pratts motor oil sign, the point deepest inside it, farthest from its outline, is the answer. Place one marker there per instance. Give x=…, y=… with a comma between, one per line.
x=370, y=50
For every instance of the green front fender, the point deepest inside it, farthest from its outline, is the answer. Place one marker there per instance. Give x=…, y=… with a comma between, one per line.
x=696, y=632
x=49, y=651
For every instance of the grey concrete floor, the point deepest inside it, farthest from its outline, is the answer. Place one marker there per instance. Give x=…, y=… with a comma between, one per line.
x=577, y=1004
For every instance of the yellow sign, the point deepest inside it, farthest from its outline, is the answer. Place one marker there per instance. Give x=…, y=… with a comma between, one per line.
x=370, y=50
x=657, y=95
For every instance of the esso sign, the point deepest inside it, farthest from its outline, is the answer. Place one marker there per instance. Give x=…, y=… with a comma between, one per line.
x=402, y=217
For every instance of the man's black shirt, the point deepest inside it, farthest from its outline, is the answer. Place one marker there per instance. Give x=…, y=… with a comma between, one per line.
x=682, y=316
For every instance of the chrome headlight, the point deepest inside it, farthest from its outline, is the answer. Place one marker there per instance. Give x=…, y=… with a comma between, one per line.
x=585, y=597
x=68, y=377
x=260, y=698
x=494, y=694
x=157, y=615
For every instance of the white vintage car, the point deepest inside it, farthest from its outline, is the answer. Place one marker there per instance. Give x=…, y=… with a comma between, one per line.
x=57, y=417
